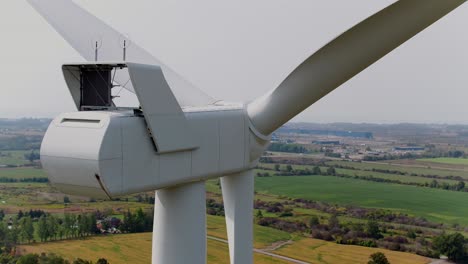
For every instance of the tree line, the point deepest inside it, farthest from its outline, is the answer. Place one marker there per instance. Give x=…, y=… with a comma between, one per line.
x=291, y=148
x=43, y=258
x=33, y=179
x=27, y=227
x=331, y=171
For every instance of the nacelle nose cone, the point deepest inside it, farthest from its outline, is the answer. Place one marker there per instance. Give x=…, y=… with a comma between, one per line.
x=82, y=153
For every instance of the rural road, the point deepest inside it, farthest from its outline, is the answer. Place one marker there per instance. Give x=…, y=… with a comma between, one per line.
x=441, y=261
x=295, y=261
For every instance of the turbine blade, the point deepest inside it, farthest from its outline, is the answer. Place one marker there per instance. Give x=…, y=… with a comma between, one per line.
x=344, y=57
x=84, y=32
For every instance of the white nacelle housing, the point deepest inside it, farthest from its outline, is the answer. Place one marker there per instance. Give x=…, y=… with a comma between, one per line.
x=105, y=154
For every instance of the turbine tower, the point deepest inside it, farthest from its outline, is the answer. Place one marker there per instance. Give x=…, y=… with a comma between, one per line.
x=179, y=137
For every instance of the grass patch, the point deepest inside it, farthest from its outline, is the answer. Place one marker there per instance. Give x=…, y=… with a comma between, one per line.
x=263, y=236
x=433, y=204
x=13, y=157
x=406, y=169
x=455, y=161
x=20, y=173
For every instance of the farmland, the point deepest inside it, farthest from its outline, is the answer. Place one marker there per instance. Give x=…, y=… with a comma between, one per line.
x=396, y=166
x=368, y=170
x=437, y=205
x=119, y=249
x=22, y=172
x=307, y=206
x=318, y=251
x=15, y=157
x=455, y=161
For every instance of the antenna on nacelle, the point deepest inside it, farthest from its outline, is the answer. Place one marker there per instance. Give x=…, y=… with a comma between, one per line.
x=96, y=44
x=125, y=42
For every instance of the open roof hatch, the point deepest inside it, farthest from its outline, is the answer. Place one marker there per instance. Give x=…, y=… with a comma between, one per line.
x=91, y=84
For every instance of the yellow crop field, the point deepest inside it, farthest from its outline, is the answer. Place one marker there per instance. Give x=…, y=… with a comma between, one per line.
x=319, y=251
x=136, y=248
x=128, y=248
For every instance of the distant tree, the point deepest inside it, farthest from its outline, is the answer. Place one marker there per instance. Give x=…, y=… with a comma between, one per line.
x=259, y=214
x=139, y=198
x=128, y=222
x=66, y=200
x=316, y=170
x=373, y=230
x=92, y=227
x=67, y=225
x=451, y=245
x=26, y=229
x=42, y=229
x=411, y=234
x=140, y=218
x=12, y=234
x=52, y=259
x=277, y=167
x=287, y=212
x=333, y=222
x=20, y=214
x=6, y=259
x=378, y=258
x=28, y=259
x=460, y=185
x=81, y=261
x=61, y=229
x=434, y=184
x=331, y=171
x=314, y=221
x=289, y=168
x=3, y=234
x=52, y=226
x=83, y=225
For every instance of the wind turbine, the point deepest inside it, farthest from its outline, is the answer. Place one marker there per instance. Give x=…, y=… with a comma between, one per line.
x=180, y=137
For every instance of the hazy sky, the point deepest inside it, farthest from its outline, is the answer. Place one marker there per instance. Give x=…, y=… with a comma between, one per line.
x=239, y=49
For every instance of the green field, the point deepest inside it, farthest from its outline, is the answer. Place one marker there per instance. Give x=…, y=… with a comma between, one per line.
x=363, y=171
x=456, y=161
x=433, y=204
x=13, y=157
x=19, y=173
x=393, y=177
x=406, y=169
x=264, y=236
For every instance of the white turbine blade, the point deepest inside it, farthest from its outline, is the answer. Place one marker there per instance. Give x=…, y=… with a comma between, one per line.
x=82, y=30
x=344, y=57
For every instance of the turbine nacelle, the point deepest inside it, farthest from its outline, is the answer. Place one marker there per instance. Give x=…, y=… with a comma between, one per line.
x=111, y=151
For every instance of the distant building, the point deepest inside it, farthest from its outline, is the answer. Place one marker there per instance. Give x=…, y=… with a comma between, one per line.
x=408, y=148
x=326, y=142
x=337, y=133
